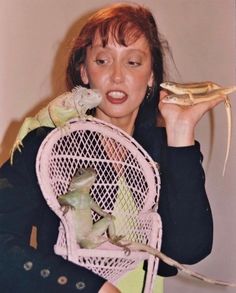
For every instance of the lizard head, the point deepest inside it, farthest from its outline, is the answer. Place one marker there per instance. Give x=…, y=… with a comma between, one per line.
x=84, y=178
x=181, y=100
x=168, y=85
x=80, y=185
x=87, y=98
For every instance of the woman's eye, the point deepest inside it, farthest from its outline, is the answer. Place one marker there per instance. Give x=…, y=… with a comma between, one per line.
x=133, y=63
x=101, y=61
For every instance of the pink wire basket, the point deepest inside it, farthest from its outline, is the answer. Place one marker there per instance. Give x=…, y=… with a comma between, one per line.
x=127, y=186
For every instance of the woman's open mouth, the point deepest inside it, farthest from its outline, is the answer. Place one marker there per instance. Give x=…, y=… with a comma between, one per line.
x=116, y=97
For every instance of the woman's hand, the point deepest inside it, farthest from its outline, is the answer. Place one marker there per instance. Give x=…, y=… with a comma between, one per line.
x=180, y=121
x=108, y=288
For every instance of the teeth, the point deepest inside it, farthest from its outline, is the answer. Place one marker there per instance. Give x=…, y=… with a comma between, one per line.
x=116, y=94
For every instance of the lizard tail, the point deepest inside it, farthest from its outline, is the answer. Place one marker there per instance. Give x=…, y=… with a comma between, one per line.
x=179, y=266
x=229, y=122
x=228, y=90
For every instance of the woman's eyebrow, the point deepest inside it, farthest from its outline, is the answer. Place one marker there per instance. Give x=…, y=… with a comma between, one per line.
x=134, y=50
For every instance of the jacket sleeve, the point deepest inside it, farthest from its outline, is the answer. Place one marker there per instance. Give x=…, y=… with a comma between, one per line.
x=23, y=268
x=184, y=207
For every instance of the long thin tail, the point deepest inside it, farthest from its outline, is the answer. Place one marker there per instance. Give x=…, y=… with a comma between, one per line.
x=229, y=135
x=174, y=263
x=225, y=90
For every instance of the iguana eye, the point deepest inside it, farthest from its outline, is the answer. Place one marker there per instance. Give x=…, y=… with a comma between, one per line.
x=80, y=171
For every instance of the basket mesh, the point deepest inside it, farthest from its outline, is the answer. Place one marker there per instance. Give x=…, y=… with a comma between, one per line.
x=127, y=185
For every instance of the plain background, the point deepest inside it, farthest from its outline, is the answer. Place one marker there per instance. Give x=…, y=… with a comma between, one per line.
x=35, y=41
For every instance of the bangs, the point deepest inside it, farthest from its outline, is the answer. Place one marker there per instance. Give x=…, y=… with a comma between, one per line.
x=123, y=24
x=121, y=33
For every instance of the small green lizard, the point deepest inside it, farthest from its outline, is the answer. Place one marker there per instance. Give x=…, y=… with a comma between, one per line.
x=188, y=94
x=59, y=111
x=91, y=235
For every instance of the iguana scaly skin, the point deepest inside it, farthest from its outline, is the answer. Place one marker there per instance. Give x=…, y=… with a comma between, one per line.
x=59, y=111
x=78, y=198
x=91, y=235
x=188, y=94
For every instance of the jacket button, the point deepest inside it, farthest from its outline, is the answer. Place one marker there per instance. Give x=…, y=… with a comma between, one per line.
x=44, y=273
x=28, y=265
x=80, y=285
x=62, y=280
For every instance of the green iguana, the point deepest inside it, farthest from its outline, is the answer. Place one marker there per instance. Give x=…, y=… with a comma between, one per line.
x=189, y=94
x=91, y=235
x=78, y=198
x=58, y=112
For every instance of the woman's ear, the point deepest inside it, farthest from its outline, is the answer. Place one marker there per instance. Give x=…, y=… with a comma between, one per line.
x=83, y=74
x=150, y=81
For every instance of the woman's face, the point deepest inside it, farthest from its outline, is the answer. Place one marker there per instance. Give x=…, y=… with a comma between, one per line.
x=122, y=75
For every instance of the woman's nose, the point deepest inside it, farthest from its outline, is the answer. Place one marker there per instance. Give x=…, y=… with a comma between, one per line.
x=117, y=74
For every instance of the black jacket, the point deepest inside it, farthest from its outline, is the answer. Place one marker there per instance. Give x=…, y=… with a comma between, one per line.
x=184, y=209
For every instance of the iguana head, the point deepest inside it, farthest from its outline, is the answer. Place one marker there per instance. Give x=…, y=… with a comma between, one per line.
x=84, y=178
x=79, y=187
x=86, y=98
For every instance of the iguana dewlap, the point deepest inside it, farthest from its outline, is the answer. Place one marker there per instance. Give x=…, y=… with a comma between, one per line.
x=188, y=94
x=58, y=112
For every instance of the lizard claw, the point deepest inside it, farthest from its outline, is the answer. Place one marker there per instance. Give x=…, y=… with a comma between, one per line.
x=127, y=251
x=65, y=210
x=17, y=146
x=64, y=128
x=116, y=241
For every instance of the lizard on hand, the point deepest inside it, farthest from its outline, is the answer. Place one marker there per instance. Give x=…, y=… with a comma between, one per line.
x=58, y=112
x=188, y=94
x=91, y=235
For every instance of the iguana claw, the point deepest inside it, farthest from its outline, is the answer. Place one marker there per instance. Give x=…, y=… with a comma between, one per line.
x=17, y=146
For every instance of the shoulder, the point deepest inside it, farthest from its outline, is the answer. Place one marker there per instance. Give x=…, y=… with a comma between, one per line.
x=23, y=165
x=31, y=144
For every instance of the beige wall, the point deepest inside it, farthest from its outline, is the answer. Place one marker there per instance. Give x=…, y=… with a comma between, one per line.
x=34, y=44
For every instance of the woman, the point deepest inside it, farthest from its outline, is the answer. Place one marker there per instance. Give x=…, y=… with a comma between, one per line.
x=119, y=52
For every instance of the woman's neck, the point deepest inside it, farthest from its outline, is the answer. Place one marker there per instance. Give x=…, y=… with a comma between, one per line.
x=125, y=123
